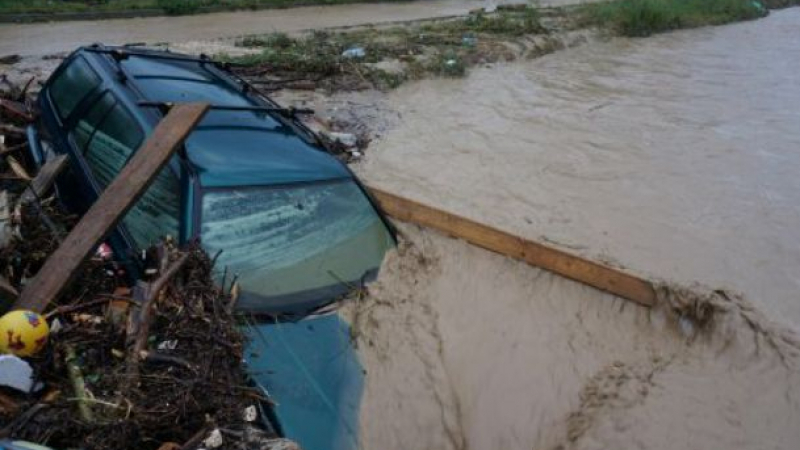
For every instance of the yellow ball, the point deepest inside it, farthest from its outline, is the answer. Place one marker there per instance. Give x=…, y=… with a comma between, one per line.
x=23, y=333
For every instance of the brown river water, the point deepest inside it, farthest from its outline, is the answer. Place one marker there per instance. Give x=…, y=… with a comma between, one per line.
x=675, y=156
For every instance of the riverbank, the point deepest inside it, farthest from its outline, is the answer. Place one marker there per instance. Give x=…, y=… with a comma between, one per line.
x=388, y=56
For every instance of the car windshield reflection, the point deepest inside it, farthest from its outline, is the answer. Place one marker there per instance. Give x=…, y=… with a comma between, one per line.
x=294, y=247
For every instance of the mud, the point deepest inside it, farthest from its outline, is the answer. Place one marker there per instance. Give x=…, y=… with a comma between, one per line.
x=465, y=349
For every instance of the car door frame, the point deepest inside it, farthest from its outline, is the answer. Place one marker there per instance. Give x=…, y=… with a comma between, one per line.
x=61, y=132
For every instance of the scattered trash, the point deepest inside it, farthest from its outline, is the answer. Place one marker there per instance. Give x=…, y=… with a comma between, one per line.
x=55, y=327
x=87, y=319
x=104, y=252
x=346, y=139
x=16, y=373
x=214, y=440
x=355, y=53
x=469, y=40
x=250, y=414
x=168, y=345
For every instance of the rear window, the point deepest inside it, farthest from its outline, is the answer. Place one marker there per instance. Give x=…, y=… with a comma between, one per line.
x=72, y=85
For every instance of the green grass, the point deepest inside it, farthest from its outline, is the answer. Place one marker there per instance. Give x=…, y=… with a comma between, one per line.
x=59, y=6
x=638, y=18
x=173, y=7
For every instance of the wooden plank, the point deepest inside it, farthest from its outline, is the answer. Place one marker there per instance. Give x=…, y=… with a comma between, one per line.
x=565, y=264
x=108, y=210
x=44, y=180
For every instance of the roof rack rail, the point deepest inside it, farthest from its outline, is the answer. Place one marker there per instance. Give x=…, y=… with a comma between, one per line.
x=289, y=112
x=123, y=53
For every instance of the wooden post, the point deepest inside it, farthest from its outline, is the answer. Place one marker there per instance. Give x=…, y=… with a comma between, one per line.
x=570, y=266
x=44, y=180
x=108, y=210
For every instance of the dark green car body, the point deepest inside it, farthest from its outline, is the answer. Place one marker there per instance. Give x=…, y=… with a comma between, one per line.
x=290, y=222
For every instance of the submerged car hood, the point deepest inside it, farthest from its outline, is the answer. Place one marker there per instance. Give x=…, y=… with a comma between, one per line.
x=311, y=370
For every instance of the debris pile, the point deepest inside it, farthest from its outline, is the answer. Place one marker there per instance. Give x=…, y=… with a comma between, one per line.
x=155, y=366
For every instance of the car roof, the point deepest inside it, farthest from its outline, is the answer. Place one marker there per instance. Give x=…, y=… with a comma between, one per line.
x=227, y=148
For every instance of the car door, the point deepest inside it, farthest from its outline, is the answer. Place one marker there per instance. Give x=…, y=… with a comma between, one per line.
x=64, y=98
x=95, y=128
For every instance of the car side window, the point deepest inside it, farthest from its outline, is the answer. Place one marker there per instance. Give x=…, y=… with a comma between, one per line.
x=157, y=213
x=110, y=141
x=108, y=136
x=85, y=126
x=72, y=85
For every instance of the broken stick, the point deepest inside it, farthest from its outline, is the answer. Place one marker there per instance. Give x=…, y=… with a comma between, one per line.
x=44, y=180
x=60, y=268
x=562, y=263
x=145, y=315
x=78, y=384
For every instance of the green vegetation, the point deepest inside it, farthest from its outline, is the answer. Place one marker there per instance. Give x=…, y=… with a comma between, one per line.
x=173, y=7
x=441, y=48
x=637, y=18
x=49, y=6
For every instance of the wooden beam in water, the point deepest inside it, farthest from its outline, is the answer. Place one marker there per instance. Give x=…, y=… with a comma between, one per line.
x=61, y=267
x=557, y=261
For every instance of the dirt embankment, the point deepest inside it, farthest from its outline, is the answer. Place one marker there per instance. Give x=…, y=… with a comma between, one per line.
x=474, y=351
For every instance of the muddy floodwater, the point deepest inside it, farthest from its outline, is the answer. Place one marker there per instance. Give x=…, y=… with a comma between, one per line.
x=676, y=157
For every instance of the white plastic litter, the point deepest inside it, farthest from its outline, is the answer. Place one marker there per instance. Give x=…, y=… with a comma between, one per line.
x=250, y=414
x=214, y=440
x=16, y=373
x=168, y=345
x=55, y=326
x=355, y=52
x=346, y=139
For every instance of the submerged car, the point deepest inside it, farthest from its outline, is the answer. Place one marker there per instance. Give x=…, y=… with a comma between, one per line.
x=254, y=185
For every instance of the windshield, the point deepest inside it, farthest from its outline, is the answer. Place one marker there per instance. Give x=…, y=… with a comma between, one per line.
x=294, y=247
